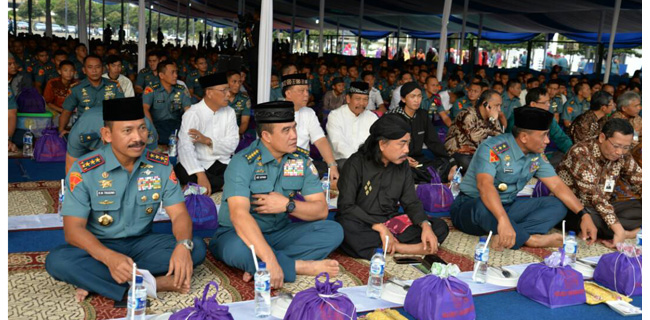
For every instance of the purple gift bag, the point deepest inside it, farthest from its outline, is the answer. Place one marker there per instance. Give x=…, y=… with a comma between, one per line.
x=553, y=283
x=620, y=273
x=323, y=302
x=245, y=141
x=201, y=208
x=204, y=309
x=540, y=190
x=435, y=298
x=30, y=101
x=50, y=147
x=435, y=196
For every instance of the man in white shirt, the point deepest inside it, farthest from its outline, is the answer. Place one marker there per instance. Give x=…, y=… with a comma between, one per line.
x=295, y=88
x=397, y=98
x=374, y=95
x=349, y=126
x=114, y=67
x=208, y=136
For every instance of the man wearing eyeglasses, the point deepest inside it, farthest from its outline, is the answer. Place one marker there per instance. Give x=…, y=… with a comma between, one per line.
x=208, y=136
x=591, y=170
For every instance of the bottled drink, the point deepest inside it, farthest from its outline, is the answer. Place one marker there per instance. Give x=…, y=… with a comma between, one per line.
x=28, y=143
x=455, y=182
x=376, y=278
x=481, y=256
x=172, y=144
x=61, y=197
x=137, y=302
x=639, y=236
x=571, y=247
x=262, y=292
x=326, y=187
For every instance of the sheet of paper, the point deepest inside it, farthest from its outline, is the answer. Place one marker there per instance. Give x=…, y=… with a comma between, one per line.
x=149, y=282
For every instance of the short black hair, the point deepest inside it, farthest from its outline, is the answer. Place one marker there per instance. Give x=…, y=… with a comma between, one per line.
x=152, y=53
x=367, y=73
x=578, y=87
x=268, y=127
x=621, y=126
x=79, y=45
x=66, y=63
x=554, y=81
x=162, y=66
x=512, y=82
x=454, y=77
x=534, y=94
x=531, y=80
x=40, y=49
x=600, y=99
x=112, y=59
x=60, y=53
x=516, y=131
x=92, y=56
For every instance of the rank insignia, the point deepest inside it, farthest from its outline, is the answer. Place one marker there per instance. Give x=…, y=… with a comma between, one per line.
x=106, y=202
x=302, y=151
x=91, y=163
x=252, y=156
x=493, y=156
x=146, y=166
x=501, y=148
x=75, y=179
x=106, y=183
x=158, y=158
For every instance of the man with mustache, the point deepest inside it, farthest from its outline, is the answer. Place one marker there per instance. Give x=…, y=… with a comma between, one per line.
x=500, y=168
x=260, y=188
x=111, y=198
x=375, y=181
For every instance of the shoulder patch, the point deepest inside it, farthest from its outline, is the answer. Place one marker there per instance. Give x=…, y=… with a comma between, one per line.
x=158, y=157
x=493, y=156
x=501, y=148
x=252, y=156
x=148, y=90
x=302, y=151
x=74, y=84
x=572, y=102
x=544, y=158
x=91, y=163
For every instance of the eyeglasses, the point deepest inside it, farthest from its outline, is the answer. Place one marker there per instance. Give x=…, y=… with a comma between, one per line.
x=625, y=149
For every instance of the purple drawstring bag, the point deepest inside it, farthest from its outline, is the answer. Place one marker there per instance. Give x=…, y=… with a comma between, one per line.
x=322, y=302
x=201, y=208
x=245, y=141
x=553, y=282
x=30, y=101
x=540, y=190
x=434, y=298
x=50, y=147
x=435, y=196
x=620, y=271
x=204, y=309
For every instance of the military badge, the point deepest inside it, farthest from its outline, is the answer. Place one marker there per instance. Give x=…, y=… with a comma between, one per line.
x=75, y=179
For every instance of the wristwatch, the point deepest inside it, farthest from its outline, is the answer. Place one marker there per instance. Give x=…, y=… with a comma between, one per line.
x=582, y=212
x=333, y=164
x=291, y=206
x=187, y=243
x=427, y=222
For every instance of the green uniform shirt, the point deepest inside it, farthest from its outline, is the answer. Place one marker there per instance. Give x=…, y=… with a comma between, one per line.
x=98, y=185
x=561, y=140
x=25, y=64
x=508, y=105
x=387, y=92
x=255, y=171
x=78, y=67
x=459, y=105
x=501, y=157
x=193, y=83
x=165, y=105
x=573, y=108
x=557, y=107
x=43, y=73
x=276, y=94
x=84, y=95
x=12, y=100
x=146, y=78
x=85, y=137
x=433, y=105
x=242, y=106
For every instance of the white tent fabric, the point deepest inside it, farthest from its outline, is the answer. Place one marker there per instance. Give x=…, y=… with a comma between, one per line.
x=265, y=50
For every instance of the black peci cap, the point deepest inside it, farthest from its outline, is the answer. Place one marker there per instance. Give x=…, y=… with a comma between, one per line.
x=123, y=109
x=274, y=112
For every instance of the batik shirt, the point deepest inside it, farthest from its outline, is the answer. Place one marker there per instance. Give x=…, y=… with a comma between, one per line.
x=586, y=126
x=635, y=122
x=470, y=129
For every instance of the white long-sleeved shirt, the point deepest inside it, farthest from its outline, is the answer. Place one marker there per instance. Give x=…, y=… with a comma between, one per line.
x=221, y=127
x=125, y=83
x=397, y=97
x=374, y=99
x=347, y=131
x=308, y=127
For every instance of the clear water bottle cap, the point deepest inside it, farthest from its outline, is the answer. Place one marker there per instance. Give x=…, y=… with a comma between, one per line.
x=261, y=265
x=379, y=250
x=571, y=233
x=482, y=239
x=139, y=279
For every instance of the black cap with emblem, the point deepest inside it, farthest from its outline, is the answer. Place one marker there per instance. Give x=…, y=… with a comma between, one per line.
x=533, y=118
x=274, y=112
x=212, y=80
x=123, y=109
x=298, y=79
x=359, y=87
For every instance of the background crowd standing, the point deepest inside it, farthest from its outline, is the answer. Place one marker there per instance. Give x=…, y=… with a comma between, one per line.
x=337, y=100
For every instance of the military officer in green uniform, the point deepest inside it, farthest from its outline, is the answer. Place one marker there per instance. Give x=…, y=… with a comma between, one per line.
x=148, y=76
x=43, y=69
x=111, y=198
x=15, y=134
x=196, y=91
x=276, y=89
x=239, y=101
x=577, y=104
x=500, y=169
x=511, y=101
x=468, y=101
x=553, y=88
x=79, y=58
x=261, y=183
x=85, y=136
x=165, y=101
x=89, y=92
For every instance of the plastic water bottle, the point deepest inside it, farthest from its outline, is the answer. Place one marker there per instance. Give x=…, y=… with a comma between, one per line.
x=262, y=292
x=481, y=257
x=455, y=182
x=28, y=143
x=639, y=236
x=326, y=187
x=571, y=247
x=376, y=278
x=137, y=303
x=172, y=144
x=61, y=197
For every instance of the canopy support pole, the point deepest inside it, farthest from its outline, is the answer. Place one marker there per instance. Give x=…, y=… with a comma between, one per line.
x=29, y=15
x=443, y=37
x=103, y=16
x=359, y=47
x=187, y=23
x=399, y=34
x=461, y=42
x=321, y=24
x=90, y=17
x=612, y=35
x=529, y=48
x=16, y=22
x=149, y=31
x=477, y=59
x=48, y=18
x=338, y=43
x=265, y=48
x=545, y=51
x=122, y=16
x=598, y=62
x=142, y=40
x=82, y=27
x=293, y=25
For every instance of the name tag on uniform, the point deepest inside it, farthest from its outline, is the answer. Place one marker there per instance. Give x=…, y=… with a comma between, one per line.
x=160, y=101
x=609, y=185
x=105, y=193
x=421, y=132
x=260, y=177
x=506, y=170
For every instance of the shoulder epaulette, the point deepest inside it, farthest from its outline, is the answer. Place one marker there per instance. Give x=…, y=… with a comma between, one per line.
x=180, y=86
x=155, y=85
x=145, y=70
x=244, y=94
x=252, y=156
x=74, y=84
x=501, y=148
x=302, y=151
x=91, y=163
x=86, y=137
x=158, y=157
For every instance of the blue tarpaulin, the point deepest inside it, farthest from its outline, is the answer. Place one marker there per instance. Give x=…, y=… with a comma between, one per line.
x=622, y=40
x=506, y=38
x=372, y=35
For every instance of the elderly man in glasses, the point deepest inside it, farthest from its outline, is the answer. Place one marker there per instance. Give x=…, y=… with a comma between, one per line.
x=592, y=168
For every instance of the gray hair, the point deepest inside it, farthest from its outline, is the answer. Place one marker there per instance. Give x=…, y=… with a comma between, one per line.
x=626, y=98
